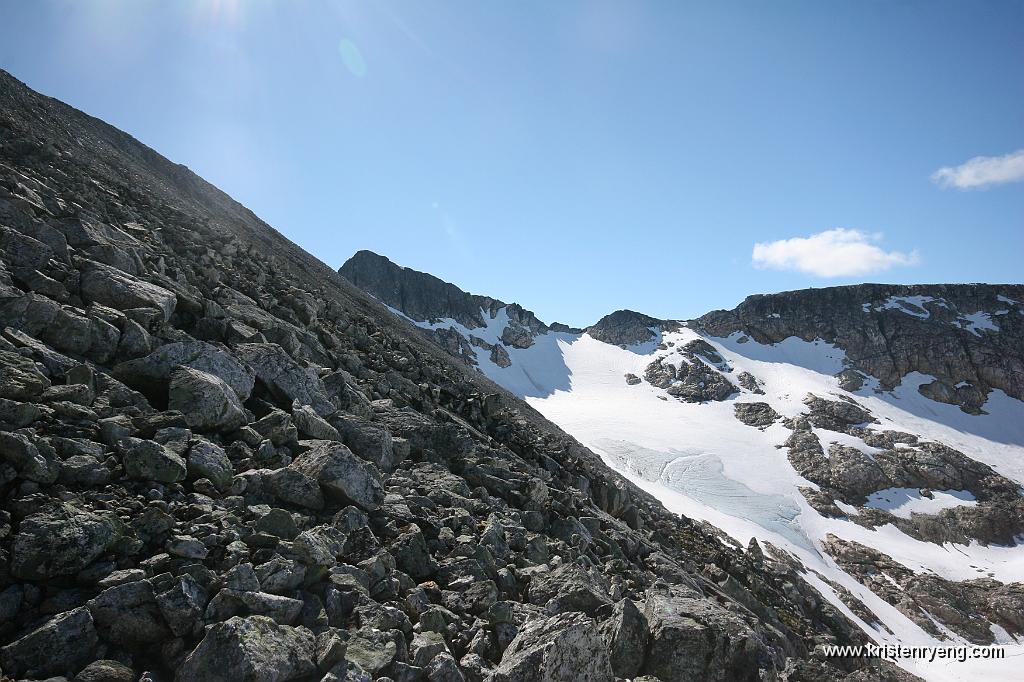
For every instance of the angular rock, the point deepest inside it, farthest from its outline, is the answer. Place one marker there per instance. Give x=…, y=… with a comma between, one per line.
x=19, y=378
x=252, y=649
x=341, y=475
x=207, y=402
x=564, y=648
x=60, y=541
x=117, y=289
x=285, y=378
x=207, y=460
x=147, y=460
x=58, y=647
x=151, y=373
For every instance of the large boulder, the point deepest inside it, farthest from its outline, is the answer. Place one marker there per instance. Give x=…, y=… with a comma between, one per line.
x=152, y=373
x=207, y=402
x=565, y=648
x=19, y=378
x=129, y=613
x=60, y=541
x=147, y=460
x=692, y=639
x=626, y=635
x=342, y=475
x=253, y=649
x=59, y=647
x=568, y=588
x=286, y=379
x=103, y=284
x=34, y=463
x=208, y=460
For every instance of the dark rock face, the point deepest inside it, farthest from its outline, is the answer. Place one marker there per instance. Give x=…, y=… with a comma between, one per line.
x=626, y=328
x=220, y=460
x=424, y=297
x=967, y=608
x=970, y=337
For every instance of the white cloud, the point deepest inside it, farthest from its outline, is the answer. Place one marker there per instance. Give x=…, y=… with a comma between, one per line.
x=833, y=253
x=982, y=171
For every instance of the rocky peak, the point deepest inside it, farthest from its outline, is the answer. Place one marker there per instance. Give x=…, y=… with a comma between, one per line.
x=425, y=298
x=626, y=328
x=969, y=337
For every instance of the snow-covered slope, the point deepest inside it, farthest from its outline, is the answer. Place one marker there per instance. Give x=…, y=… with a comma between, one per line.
x=736, y=462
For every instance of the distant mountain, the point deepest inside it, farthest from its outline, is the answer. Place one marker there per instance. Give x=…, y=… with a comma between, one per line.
x=873, y=435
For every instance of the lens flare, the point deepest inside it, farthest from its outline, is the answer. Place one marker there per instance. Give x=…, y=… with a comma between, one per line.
x=352, y=58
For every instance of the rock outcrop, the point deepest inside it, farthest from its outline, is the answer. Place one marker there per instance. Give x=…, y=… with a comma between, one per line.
x=968, y=337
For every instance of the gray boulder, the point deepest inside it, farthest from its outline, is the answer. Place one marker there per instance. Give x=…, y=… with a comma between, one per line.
x=19, y=378
x=252, y=649
x=564, y=648
x=129, y=613
x=285, y=378
x=312, y=425
x=626, y=636
x=60, y=541
x=294, y=487
x=152, y=372
x=105, y=670
x=342, y=475
x=207, y=402
x=760, y=415
x=692, y=638
x=34, y=463
x=110, y=286
x=58, y=647
x=147, y=460
x=207, y=460
x=568, y=588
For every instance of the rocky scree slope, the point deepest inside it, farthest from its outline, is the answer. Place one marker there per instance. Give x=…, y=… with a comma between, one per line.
x=219, y=460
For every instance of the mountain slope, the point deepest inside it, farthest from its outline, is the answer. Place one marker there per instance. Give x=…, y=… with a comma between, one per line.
x=221, y=460
x=811, y=421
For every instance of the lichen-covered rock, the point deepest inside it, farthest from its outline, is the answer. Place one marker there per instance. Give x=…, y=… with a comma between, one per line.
x=58, y=647
x=19, y=378
x=208, y=460
x=60, y=541
x=341, y=475
x=564, y=648
x=760, y=415
x=207, y=402
x=252, y=649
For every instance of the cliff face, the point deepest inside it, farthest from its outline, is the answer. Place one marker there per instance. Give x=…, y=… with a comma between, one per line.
x=969, y=337
x=220, y=460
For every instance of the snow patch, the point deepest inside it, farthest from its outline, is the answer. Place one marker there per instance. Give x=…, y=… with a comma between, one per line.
x=903, y=502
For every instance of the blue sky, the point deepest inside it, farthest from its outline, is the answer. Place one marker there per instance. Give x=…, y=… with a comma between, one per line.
x=579, y=157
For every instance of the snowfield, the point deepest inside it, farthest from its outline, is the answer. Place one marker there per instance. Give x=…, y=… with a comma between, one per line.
x=701, y=461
